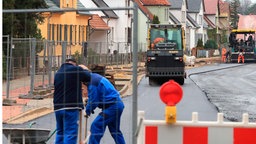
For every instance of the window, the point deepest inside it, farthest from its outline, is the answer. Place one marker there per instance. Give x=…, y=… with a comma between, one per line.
x=50, y=31
x=70, y=34
x=129, y=35
x=58, y=33
x=53, y=33
x=65, y=33
x=75, y=29
x=81, y=34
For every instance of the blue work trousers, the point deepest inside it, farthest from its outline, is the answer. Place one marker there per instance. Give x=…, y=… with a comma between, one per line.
x=109, y=117
x=66, y=126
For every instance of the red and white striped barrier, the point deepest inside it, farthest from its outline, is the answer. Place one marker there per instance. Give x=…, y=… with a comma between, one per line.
x=196, y=132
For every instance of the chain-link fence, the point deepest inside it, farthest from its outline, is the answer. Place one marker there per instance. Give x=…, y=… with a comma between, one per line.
x=40, y=61
x=34, y=62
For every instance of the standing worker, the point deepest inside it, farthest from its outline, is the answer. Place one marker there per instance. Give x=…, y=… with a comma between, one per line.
x=240, y=56
x=102, y=94
x=223, y=54
x=68, y=101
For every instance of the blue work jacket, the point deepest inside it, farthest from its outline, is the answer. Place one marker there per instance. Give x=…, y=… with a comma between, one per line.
x=68, y=87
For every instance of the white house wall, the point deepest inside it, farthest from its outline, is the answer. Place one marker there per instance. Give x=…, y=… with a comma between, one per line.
x=177, y=14
x=98, y=41
x=162, y=12
x=212, y=18
x=183, y=9
x=201, y=29
x=192, y=32
x=119, y=26
x=142, y=31
x=117, y=37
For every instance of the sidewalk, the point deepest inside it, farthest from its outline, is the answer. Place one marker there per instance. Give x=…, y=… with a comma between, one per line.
x=19, y=87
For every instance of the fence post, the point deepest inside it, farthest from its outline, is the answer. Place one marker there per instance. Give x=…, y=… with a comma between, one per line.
x=64, y=52
x=32, y=65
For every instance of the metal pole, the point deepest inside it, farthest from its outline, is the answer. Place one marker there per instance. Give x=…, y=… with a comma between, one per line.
x=64, y=52
x=63, y=10
x=10, y=64
x=50, y=50
x=7, y=67
x=32, y=64
x=54, y=56
x=44, y=69
x=134, y=81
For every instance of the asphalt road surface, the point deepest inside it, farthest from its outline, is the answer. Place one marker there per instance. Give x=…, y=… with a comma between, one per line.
x=226, y=88
x=232, y=91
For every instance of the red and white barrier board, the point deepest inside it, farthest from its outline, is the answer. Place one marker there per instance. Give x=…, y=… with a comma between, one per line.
x=197, y=132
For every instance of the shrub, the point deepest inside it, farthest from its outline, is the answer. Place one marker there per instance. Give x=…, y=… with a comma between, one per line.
x=156, y=20
x=199, y=43
x=210, y=44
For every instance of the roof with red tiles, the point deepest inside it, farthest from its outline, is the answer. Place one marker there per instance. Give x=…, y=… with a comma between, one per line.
x=144, y=9
x=247, y=22
x=97, y=23
x=210, y=6
x=224, y=8
x=155, y=2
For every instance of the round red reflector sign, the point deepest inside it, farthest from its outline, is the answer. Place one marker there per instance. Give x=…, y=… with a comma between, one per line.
x=171, y=93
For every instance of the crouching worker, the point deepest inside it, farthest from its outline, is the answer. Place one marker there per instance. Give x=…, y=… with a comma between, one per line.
x=68, y=101
x=103, y=95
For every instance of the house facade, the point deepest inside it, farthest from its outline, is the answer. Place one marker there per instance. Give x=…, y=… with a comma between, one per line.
x=177, y=15
x=211, y=13
x=196, y=27
x=118, y=37
x=65, y=26
x=111, y=30
x=178, y=12
x=158, y=8
x=64, y=32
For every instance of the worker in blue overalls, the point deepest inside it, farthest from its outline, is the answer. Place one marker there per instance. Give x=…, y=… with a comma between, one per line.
x=102, y=94
x=68, y=100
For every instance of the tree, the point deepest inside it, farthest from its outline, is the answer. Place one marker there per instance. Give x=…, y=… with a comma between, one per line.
x=251, y=10
x=245, y=4
x=22, y=25
x=155, y=20
x=234, y=10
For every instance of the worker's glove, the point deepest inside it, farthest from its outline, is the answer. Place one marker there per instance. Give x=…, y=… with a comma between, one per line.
x=85, y=101
x=85, y=115
x=89, y=112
